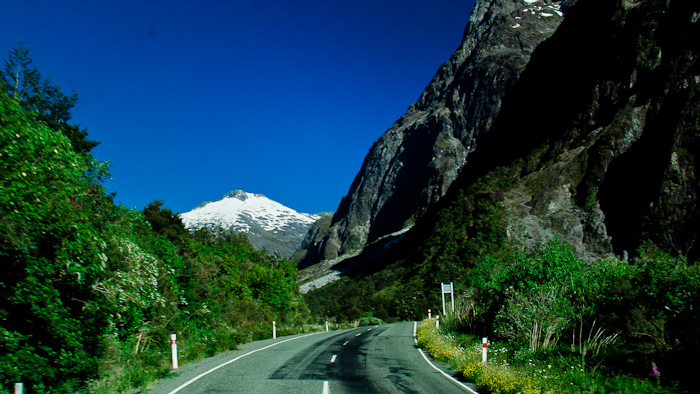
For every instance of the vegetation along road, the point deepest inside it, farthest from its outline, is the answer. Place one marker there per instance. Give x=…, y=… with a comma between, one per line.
x=374, y=359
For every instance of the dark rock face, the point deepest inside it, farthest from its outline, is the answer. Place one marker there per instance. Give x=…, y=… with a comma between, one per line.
x=412, y=165
x=314, y=238
x=602, y=115
x=617, y=131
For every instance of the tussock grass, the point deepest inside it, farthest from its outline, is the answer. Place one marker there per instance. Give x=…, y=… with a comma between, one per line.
x=504, y=375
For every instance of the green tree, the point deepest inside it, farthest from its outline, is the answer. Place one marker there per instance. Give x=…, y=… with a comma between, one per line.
x=164, y=221
x=50, y=251
x=46, y=102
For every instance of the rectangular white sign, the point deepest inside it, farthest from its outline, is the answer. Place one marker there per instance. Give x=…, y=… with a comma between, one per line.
x=447, y=288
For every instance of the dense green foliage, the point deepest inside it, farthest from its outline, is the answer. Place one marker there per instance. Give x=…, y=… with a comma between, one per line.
x=545, y=306
x=616, y=315
x=40, y=99
x=558, y=324
x=90, y=291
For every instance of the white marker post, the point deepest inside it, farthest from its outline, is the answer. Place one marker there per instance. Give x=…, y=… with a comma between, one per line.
x=437, y=321
x=484, y=346
x=326, y=325
x=19, y=388
x=274, y=330
x=429, y=313
x=173, y=343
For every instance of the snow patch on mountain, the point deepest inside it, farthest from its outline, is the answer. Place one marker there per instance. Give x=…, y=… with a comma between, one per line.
x=268, y=223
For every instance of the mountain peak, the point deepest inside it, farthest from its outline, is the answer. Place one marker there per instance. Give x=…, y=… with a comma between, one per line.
x=269, y=224
x=240, y=194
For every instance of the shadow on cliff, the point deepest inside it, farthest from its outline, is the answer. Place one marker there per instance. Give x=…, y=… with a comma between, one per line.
x=576, y=82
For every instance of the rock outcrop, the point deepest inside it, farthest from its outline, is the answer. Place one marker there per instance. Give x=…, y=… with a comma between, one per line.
x=412, y=165
x=604, y=112
x=606, y=119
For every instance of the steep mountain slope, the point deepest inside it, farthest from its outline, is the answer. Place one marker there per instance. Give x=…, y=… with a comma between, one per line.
x=609, y=159
x=412, y=165
x=269, y=224
x=598, y=143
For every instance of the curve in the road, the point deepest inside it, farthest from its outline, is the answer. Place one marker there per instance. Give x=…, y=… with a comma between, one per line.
x=379, y=359
x=234, y=360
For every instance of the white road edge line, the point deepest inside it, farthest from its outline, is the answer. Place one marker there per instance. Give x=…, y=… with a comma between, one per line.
x=189, y=382
x=333, y=358
x=326, y=390
x=415, y=325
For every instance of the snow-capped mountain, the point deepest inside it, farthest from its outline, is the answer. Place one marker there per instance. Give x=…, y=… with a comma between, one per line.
x=268, y=223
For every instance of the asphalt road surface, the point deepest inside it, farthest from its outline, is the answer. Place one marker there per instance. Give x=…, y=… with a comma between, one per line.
x=374, y=359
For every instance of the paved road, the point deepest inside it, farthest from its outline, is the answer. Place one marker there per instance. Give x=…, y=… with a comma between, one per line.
x=375, y=359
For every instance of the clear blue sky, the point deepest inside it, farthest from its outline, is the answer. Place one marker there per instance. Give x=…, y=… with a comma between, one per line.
x=192, y=99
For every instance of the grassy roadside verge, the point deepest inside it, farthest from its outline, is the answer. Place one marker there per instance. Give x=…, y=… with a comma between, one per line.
x=505, y=374
x=464, y=355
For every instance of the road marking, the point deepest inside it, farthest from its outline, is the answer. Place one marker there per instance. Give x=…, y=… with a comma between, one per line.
x=325, y=388
x=346, y=342
x=415, y=324
x=189, y=382
x=369, y=329
x=333, y=358
x=358, y=334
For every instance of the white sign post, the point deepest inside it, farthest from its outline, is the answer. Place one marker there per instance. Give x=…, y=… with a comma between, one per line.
x=173, y=343
x=274, y=329
x=445, y=288
x=19, y=388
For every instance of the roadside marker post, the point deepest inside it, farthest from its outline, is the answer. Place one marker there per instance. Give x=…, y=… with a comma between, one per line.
x=173, y=343
x=484, y=351
x=274, y=330
x=19, y=388
x=429, y=313
x=326, y=325
x=437, y=321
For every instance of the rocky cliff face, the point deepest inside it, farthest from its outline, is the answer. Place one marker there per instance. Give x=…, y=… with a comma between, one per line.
x=609, y=146
x=602, y=133
x=600, y=119
x=412, y=165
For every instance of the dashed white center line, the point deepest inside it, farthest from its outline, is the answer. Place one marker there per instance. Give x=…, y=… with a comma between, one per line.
x=333, y=358
x=358, y=334
x=325, y=388
x=346, y=342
